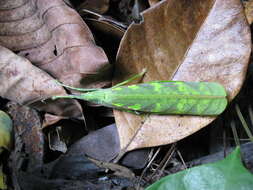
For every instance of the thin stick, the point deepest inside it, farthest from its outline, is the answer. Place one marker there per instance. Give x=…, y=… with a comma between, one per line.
x=236, y=138
x=161, y=164
x=244, y=123
x=181, y=158
x=250, y=115
x=124, y=150
x=146, y=168
x=166, y=163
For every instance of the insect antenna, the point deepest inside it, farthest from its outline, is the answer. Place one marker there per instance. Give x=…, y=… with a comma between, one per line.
x=67, y=96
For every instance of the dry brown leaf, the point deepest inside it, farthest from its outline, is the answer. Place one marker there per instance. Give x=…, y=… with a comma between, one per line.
x=26, y=84
x=248, y=7
x=186, y=40
x=55, y=38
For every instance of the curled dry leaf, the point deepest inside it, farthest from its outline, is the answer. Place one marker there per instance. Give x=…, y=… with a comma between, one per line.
x=26, y=84
x=106, y=25
x=55, y=38
x=98, y=6
x=186, y=40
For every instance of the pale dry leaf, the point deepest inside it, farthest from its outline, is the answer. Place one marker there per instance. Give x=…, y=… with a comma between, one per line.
x=186, y=40
x=55, y=38
x=24, y=83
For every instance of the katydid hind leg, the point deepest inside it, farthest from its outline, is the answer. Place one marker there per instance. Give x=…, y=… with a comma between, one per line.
x=141, y=74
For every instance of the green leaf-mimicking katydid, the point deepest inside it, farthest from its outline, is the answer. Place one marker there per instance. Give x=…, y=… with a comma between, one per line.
x=160, y=97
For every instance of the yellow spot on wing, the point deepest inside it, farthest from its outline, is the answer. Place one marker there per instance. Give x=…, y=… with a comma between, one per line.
x=181, y=87
x=118, y=105
x=119, y=88
x=133, y=87
x=157, y=86
x=157, y=107
x=181, y=104
x=135, y=107
x=203, y=89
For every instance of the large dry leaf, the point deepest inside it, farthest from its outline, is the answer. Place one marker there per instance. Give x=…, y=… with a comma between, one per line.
x=55, y=38
x=186, y=40
x=26, y=84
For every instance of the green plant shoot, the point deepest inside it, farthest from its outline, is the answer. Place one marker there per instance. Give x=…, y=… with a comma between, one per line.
x=159, y=97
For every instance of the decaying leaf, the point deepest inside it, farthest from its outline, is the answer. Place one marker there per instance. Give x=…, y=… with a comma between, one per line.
x=55, y=38
x=200, y=40
x=28, y=134
x=26, y=84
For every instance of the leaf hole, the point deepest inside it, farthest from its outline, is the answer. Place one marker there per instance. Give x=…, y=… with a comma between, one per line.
x=55, y=51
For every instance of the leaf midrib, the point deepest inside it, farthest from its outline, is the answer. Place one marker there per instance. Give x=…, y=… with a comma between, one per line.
x=169, y=96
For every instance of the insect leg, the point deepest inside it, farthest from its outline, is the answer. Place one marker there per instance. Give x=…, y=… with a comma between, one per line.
x=77, y=89
x=66, y=96
x=131, y=78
